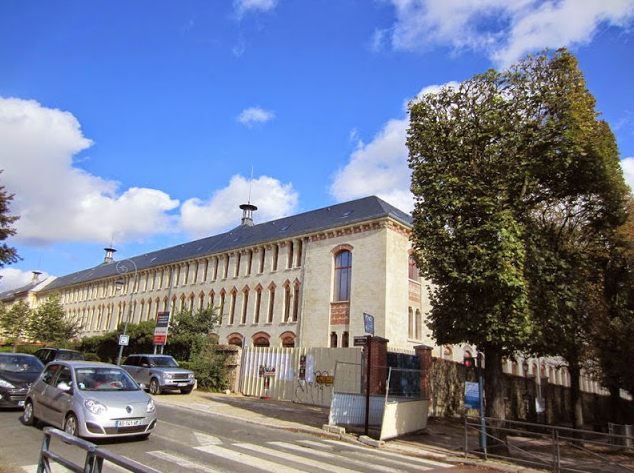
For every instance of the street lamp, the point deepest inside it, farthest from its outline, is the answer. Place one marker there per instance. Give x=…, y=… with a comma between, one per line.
x=123, y=268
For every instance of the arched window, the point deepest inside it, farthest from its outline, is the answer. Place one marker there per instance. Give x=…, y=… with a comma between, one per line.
x=345, y=340
x=261, y=341
x=333, y=340
x=343, y=272
x=413, y=269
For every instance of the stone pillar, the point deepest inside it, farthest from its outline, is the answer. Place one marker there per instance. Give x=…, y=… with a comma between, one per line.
x=377, y=348
x=424, y=355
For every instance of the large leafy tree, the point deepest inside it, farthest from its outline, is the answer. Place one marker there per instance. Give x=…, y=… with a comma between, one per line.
x=49, y=323
x=15, y=321
x=496, y=161
x=8, y=254
x=189, y=332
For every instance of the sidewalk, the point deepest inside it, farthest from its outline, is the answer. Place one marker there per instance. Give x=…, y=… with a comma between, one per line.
x=443, y=440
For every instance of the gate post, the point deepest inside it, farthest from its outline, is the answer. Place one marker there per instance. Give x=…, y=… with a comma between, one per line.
x=423, y=352
x=378, y=363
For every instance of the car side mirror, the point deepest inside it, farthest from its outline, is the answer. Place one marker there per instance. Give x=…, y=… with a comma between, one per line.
x=63, y=386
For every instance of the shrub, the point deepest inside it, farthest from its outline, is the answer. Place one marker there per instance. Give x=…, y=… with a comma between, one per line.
x=209, y=366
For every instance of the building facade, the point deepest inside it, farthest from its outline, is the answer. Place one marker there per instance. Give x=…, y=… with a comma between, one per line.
x=304, y=280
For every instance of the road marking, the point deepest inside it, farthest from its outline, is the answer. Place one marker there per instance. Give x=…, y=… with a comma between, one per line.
x=397, y=456
x=183, y=462
x=294, y=458
x=360, y=463
x=247, y=460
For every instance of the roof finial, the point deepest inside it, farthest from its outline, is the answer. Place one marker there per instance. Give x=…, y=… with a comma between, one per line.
x=248, y=208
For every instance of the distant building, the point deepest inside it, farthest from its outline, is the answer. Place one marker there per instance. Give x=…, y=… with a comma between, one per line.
x=304, y=280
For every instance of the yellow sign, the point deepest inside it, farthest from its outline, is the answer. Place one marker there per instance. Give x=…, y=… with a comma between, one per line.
x=325, y=379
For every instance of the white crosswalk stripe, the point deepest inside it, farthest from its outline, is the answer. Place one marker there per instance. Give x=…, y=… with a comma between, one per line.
x=246, y=460
x=189, y=465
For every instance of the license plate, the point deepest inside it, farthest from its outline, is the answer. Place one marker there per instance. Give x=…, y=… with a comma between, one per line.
x=181, y=384
x=127, y=423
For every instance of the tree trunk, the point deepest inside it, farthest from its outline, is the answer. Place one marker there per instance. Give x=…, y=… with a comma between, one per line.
x=575, y=395
x=495, y=408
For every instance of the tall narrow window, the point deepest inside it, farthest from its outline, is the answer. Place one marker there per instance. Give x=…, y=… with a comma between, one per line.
x=333, y=340
x=249, y=262
x=238, y=261
x=289, y=261
x=225, y=270
x=269, y=317
x=418, y=325
x=262, y=260
x=345, y=340
x=287, y=303
x=295, y=302
x=413, y=274
x=276, y=252
x=343, y=272
x=300, y=247
x=215, y=271
x=410, y=323
x=245, y=305
x=232, y=307
x=258, y=303
x=222, y=307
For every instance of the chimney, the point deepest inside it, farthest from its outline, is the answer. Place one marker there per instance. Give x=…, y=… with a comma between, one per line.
x=109, y=258
x=247, y=214
x=36, y=275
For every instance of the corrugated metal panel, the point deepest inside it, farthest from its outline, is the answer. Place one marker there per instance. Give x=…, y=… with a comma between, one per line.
x=304, y=375
x=349, y=409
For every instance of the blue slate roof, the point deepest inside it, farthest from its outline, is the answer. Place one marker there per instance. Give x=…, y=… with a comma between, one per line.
x=347, y=213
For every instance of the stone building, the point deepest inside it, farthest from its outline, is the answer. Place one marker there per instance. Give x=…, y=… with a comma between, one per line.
x=304, y=280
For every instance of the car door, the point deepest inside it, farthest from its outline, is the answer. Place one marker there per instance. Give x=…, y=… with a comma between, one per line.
x=40, y=392
x=143, y=374
x=131, y=365
x=60, y=399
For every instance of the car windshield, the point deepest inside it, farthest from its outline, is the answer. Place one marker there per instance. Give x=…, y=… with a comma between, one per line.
x=20, y=363
x=163, y=361
x=104, y=379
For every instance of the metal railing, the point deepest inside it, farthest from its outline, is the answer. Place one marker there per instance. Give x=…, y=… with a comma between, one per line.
x=554, y=448
x=95, y=456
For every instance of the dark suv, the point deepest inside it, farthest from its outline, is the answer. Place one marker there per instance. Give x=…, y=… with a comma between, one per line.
x=159, y=373
x=49, y=354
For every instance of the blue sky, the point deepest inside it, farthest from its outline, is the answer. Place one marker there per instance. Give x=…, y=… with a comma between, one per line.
x=145, y=124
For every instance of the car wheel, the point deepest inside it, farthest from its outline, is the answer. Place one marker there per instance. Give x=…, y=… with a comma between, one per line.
x=155, y=388
x=28, y=416
x=70, y=425
x=186, y=390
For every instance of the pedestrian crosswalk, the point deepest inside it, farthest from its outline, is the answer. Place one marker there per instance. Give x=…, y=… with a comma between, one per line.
x=310, y=456
x=296, y=457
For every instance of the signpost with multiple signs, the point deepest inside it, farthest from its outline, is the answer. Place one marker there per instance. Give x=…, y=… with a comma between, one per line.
x=160, y=331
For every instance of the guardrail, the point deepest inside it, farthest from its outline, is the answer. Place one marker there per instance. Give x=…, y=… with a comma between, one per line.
x=95, y=455
x=553, y=448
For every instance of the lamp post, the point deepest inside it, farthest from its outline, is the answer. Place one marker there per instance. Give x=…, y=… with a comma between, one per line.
x=123, y=268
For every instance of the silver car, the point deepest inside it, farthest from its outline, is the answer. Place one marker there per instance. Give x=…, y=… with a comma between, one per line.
x=159, y=373
x=89, y=399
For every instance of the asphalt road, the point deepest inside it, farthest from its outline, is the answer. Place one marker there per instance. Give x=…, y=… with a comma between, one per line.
x=187, y=440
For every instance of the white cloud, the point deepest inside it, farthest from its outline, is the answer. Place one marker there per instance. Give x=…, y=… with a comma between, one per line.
x=504, y=30
x=57, y=201
x=253, y=115
x=13, y=278
x=628, y=170
x=242, y=7
x=273, y=199
x=378, y=168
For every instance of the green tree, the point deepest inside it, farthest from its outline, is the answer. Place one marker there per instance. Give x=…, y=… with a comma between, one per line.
x=494, y=162
x=49, y=323
x=15, y=320
x=8, y=254
x=189, y=332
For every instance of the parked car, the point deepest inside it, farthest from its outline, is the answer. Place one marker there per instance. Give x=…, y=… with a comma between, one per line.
x=90, y=399
x=49, y=354
x=17, y=372
x=159, y=373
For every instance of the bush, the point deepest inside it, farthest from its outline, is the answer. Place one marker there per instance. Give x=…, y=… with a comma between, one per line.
x=209, y=366
x=91, y=357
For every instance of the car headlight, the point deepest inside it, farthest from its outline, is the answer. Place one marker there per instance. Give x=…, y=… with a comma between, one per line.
x=95, y=407
x=6, y=384
x=167, y=375
x=150, y=406
x=190, y=375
